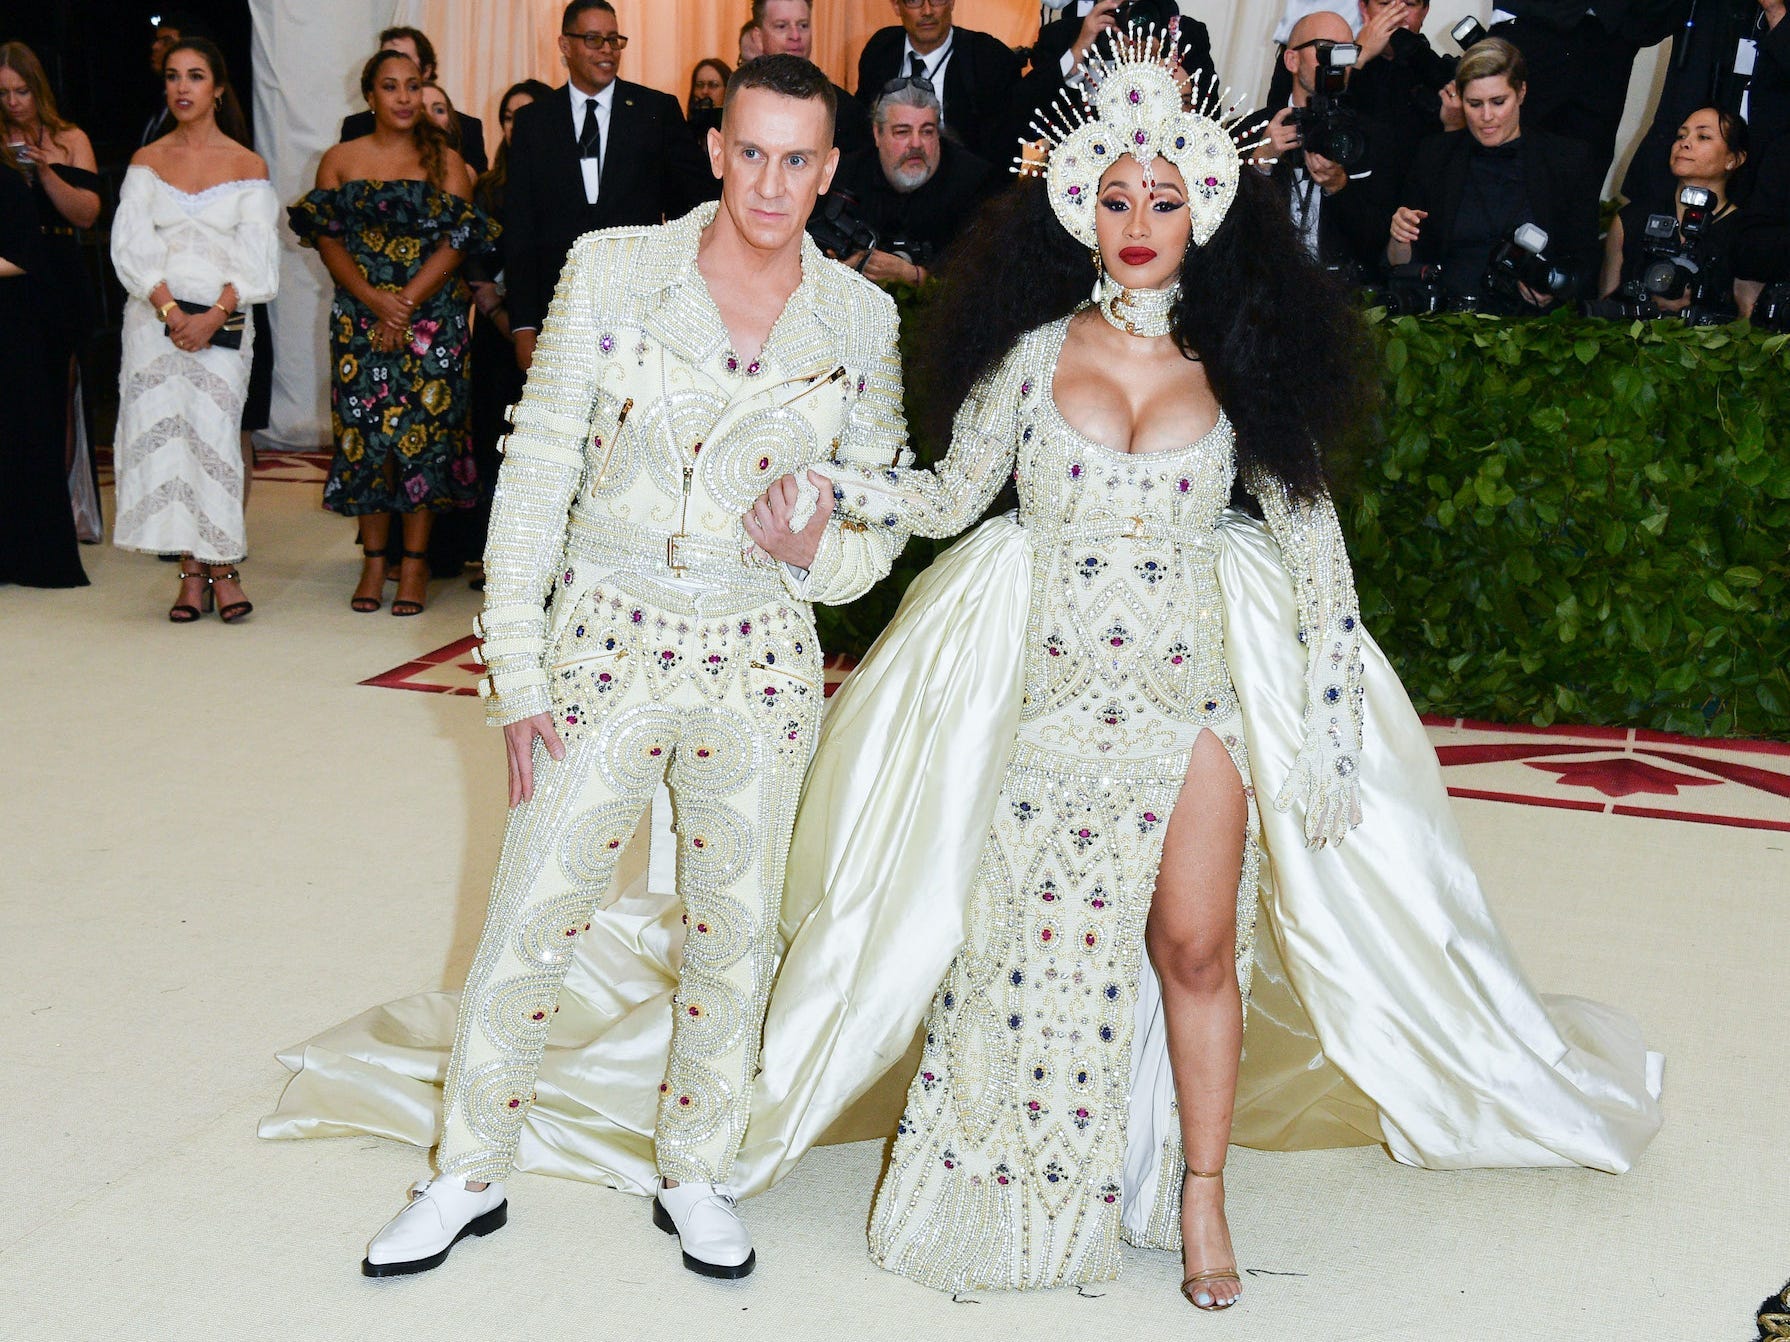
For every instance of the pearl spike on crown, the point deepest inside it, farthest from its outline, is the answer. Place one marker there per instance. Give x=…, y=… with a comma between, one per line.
x=1135, y=101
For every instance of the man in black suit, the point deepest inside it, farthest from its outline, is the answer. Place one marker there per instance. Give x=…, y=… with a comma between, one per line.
x=414, y=43
x=600, y=153
x=1341, y=214
x=974, y=75
x=1065, y=43
x=786, y=28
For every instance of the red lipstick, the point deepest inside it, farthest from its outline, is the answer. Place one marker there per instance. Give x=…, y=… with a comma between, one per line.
x=1137, y=256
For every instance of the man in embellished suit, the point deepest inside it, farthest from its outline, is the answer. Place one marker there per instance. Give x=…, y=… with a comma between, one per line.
x=681, y=370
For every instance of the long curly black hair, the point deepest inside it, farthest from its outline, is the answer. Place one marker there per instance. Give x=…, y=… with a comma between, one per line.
x=1284, y=345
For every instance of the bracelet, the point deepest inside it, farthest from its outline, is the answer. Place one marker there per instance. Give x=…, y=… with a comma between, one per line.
x=166, y=308
x=221, y=308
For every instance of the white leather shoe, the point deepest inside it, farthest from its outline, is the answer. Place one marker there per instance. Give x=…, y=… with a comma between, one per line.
x=715, y=1240
x=441, y=1213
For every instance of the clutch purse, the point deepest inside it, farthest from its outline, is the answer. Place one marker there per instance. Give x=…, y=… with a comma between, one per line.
x=229, y=335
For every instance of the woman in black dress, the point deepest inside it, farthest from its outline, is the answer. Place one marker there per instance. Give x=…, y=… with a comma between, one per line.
x=37, y=527
x=57, y=160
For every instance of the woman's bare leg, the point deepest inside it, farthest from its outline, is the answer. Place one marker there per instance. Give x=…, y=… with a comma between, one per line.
x=1192, y=941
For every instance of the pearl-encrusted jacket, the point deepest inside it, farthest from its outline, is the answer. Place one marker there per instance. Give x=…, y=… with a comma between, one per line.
x=642, y=438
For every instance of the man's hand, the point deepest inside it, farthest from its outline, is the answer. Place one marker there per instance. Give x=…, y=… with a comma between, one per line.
x=1327, y=173
x=1542, y=300
x=888, y=268
x=768, y=522
x=1407, y=223
x=1375, y=38
x=525, y=349
x=519, y=742
x=1099, y=20
x=1283, y=135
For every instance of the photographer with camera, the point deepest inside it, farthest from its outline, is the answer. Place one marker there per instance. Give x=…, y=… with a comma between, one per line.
x=1471, y=193
x=1323, y=152
x=1081, y=29
x=1674, y=253
x=1402, y=83
x=892, y=209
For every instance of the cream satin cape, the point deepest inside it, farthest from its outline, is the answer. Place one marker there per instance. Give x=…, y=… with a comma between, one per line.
x=1386, y=1008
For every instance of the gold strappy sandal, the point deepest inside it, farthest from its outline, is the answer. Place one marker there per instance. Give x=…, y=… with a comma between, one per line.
x=1203, y=1278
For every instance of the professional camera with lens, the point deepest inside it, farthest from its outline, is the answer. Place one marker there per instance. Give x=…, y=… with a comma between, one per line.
x=1430, y=67
x=839, y=228
x=1412, y=289
x=1327, y=125
x=1521, y=259
x=1772, y=311
x=1672, y=250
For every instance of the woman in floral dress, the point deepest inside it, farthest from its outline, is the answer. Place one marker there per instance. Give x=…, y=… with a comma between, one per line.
x=392, y=218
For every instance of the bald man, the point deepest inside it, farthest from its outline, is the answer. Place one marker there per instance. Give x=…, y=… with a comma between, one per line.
x=1341, y=213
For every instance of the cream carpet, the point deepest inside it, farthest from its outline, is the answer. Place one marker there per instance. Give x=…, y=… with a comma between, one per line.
x=218, y=843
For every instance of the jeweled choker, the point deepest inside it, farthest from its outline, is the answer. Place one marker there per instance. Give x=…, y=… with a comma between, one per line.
x=1138, y=312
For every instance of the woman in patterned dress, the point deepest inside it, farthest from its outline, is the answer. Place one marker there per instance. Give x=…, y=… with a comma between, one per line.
x=197, y=223
x=392, y=218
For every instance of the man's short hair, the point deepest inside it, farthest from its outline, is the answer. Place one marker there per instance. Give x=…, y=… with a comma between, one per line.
x=791, y=76
x=759, y=7
x=906, y=94
x=578, y=7
x=1488, y=59
x=425, y=49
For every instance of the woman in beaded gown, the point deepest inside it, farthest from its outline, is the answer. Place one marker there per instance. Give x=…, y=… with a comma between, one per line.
x=1147, y=665
x=392, y=218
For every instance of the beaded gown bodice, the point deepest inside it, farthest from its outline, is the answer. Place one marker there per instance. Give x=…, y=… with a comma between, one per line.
x=1124, y=657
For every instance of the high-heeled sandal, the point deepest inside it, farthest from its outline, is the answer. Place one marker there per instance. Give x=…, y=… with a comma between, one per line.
x=366, y=605
x=236, y=610
x=402, y=606
x=184, y=613
x=1212, y=1305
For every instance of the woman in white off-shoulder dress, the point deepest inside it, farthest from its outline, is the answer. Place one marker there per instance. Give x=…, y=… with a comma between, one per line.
x=197, y=224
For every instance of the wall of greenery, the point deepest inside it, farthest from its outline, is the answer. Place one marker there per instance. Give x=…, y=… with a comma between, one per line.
x=1561, y=519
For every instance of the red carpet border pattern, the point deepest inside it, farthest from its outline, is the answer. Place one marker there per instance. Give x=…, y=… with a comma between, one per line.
x=1613, y=770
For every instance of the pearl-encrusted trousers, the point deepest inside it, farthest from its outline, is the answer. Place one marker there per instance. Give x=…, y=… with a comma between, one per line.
x=724, y=708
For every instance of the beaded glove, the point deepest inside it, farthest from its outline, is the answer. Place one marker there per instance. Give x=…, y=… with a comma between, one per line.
x=1325, y=778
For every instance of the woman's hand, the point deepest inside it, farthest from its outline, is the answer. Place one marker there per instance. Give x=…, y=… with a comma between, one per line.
x=390, y=307
x=389, y=337
x=198, y=329
x=519, y=739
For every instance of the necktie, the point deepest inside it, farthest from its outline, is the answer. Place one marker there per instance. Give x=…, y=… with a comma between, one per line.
x=590, y=138
x=916, y=66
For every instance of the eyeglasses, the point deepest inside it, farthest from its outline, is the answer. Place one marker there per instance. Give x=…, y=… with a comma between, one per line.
x=922, y=4
x=906, y=82
x=597, y=41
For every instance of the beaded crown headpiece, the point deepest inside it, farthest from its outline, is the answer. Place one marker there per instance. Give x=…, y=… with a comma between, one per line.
x=1139, y=107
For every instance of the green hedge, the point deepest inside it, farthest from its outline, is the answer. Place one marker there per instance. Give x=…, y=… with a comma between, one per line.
x=1560, y=519
x=1582, y=520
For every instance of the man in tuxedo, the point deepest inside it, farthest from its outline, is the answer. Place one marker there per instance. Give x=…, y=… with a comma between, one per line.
x=414, y=43
x=786, y=28
x=974, y=75
x=600, y=153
